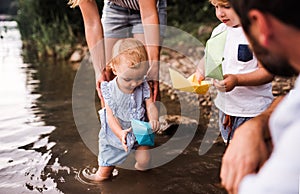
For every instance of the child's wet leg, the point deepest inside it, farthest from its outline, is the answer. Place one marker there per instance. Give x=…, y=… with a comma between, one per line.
x=142, y=156
x=103, y=173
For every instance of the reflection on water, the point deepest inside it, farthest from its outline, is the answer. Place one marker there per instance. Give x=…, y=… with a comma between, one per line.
x=25, y=148
x=41, y=150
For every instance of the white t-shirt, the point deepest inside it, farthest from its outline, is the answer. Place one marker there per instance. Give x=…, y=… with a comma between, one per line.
x=242, y=101
x=281, y=173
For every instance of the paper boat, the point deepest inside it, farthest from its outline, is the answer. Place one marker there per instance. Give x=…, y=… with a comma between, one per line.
x=143, y=132
x=188, y=85
x=214, y=52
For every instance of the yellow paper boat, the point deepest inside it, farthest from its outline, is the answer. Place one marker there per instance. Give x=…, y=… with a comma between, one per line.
x=188, y=85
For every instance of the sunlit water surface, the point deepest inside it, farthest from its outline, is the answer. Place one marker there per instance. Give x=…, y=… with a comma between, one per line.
x=25, y=148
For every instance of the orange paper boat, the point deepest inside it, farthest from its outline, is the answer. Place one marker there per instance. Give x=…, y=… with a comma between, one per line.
x=188, y=85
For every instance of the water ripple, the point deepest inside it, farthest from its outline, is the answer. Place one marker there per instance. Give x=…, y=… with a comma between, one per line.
x=25, y=148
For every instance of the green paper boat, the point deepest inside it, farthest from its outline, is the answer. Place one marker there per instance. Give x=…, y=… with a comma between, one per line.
x=214, y=56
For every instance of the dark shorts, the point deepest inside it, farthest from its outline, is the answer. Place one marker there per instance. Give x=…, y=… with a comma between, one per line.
x=120, y=22
x=236, y=123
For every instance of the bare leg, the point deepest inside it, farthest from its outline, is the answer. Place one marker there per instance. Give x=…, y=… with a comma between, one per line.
x=142, y=157
x=103, y=173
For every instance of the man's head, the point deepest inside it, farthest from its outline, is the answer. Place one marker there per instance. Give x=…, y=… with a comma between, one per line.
x=286, y=11
x=256, y=17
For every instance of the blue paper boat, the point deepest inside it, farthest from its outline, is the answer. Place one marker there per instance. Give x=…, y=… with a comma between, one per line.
x=143, y=132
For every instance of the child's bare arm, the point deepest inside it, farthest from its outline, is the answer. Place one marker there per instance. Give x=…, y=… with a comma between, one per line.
x=116, y=127
x=258, y=77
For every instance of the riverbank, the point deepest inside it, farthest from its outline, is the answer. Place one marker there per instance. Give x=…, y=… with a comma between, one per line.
x=208, y=115
x=181, y=63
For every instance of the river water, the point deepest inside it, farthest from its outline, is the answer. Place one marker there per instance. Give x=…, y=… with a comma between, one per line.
x=42, y=150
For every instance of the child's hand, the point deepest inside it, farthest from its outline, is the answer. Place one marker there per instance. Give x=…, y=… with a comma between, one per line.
x=155, y=125
x=200, y=70
x=123, y=137
x=219, y=84
x=227, y=84
x=199, y=75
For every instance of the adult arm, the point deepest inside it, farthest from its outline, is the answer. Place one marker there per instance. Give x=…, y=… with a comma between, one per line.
x=280, y=174
x=150, y=21
x=248, y=150
x=152, y=114
x=94, y=37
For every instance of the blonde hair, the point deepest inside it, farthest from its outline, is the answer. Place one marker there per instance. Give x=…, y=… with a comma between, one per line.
x=132, y=49
x=219, y=2
x=73, y=3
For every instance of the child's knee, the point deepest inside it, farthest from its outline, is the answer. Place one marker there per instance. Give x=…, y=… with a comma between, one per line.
x=142, y=158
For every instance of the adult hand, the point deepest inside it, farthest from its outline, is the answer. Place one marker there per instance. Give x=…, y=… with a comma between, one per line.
x=245, y=154
x=102, y=77
x=247, y=151
x=154, y=86
x=155, y=125
x=153, y=80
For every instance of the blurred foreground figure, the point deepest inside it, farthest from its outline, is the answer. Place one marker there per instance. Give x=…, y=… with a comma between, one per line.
x=250, y=165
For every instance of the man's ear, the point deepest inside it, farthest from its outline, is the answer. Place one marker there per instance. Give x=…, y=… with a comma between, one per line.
x=260, y=26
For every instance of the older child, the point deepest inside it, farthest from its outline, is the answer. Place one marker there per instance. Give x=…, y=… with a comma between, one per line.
x=245, y=90
x=126, y=97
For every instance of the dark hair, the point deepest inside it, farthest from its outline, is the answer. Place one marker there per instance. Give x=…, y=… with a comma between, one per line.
x=286, y=11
